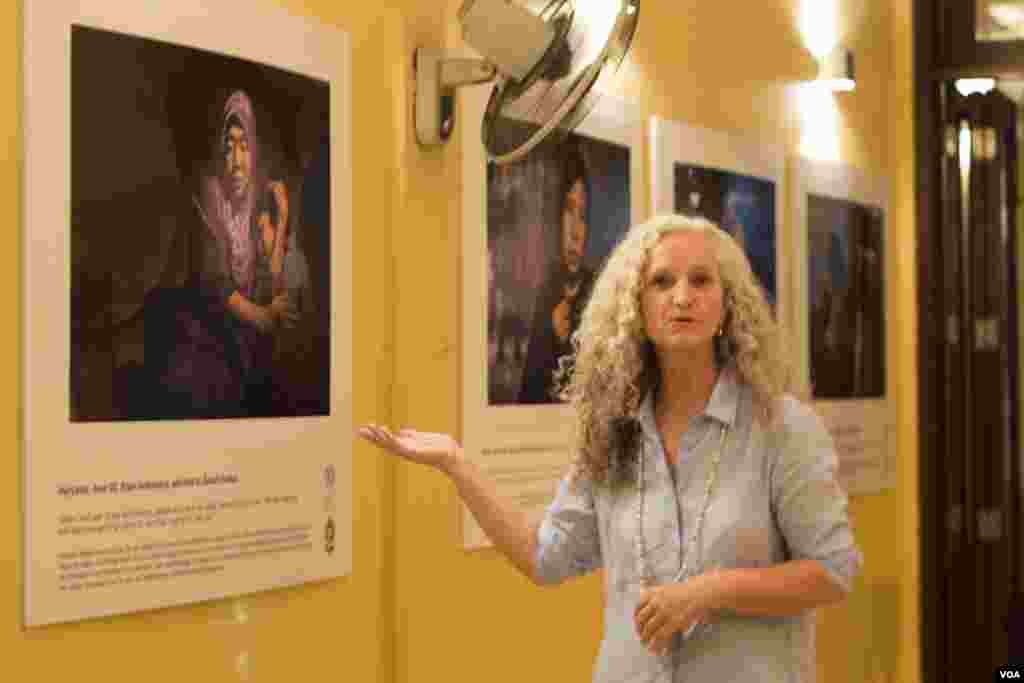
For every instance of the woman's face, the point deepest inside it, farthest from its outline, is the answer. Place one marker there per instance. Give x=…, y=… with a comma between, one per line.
x=682, y=300
x=574, y=227
x=237, y=161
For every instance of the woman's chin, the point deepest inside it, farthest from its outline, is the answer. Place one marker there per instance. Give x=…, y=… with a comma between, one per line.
x=682, y=342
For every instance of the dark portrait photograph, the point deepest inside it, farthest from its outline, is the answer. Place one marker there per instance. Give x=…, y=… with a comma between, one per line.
x=200, y=235
x=743, y=206
x=845, y=299
x=552, y=220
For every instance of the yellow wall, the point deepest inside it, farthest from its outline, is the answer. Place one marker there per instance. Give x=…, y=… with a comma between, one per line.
x=416, y=608
x=729, y=65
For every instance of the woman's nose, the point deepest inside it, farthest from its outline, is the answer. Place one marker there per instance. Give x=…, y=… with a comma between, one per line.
x=681, y=295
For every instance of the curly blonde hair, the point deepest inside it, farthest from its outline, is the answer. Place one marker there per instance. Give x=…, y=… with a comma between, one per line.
x=614, y=364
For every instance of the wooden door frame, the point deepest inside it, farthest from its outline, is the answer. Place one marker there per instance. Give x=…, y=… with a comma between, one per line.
x=943, y=49
x=928, y=188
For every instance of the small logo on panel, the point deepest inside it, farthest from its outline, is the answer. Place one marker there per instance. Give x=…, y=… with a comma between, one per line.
x=329, y=536
x=330, y=478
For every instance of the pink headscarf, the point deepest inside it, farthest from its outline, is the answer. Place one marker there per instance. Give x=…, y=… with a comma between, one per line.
x=237, y=219
x=240, y=106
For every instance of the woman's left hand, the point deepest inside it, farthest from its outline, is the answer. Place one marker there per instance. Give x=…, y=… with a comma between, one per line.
x=671, y=608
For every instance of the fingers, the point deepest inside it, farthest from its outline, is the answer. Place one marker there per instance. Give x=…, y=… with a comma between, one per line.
x=370, y=433
x=659, y=647
x=384, y=435
x=661, y=637
x=656, y=633
x=657, y=620
x=645, y=617
x=380, y=430
x=650, y=628
x=644, y=611
x=378, y=435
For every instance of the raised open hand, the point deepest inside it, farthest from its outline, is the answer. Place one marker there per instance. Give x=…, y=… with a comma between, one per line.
x=424, y=448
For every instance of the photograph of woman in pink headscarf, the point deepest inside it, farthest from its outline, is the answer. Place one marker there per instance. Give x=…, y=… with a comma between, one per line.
x=200, y=279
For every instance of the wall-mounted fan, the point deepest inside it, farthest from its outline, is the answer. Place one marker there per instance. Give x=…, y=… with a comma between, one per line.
x=549, y=59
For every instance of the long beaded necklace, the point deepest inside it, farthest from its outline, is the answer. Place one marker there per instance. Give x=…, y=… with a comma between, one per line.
x=647, y=578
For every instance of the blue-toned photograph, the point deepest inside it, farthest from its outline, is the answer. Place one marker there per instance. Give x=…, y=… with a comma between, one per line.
x=743, y=206
x=552, y=220
x=846, y=304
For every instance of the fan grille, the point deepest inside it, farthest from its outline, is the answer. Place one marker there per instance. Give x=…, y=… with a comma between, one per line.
x=592, y=39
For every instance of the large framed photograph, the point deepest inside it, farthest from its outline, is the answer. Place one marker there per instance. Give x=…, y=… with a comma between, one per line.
x=735, y=183
x=535, y=236
x=840, y=214
x=187, y=304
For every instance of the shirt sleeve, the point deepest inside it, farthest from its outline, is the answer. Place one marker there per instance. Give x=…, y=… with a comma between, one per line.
x=810, y=507
x=568, y=541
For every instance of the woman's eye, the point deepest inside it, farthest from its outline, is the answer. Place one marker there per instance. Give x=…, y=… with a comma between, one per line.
x=700, y=280
x=661, y=281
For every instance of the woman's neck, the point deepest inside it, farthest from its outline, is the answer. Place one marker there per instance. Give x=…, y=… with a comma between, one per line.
x=685, y=385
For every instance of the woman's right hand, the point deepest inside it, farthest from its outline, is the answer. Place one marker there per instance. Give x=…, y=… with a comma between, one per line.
x=283, y=312
x=440, y=451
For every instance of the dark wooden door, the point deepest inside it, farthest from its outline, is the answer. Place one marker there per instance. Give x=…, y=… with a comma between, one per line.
x=980, y=471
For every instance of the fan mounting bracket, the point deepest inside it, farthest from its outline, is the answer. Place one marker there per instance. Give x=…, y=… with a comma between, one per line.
x=437, y=77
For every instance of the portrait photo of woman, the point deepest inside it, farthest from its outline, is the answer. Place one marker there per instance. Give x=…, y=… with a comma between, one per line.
x=200, y=279
x=552, y=220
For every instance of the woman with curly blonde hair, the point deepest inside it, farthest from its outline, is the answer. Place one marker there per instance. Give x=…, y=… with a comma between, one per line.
x=705, y=491
x=616, y=364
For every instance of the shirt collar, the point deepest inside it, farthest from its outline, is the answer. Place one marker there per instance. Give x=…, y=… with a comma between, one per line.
x=720, y=407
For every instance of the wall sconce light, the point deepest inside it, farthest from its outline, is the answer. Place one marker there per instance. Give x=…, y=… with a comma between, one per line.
x=835, y=71
x=972, y=86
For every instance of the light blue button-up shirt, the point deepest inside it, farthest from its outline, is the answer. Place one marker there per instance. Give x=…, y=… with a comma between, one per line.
x=776, y=500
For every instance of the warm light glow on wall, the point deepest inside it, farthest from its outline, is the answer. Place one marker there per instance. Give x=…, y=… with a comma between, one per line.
x=836, y=72
x=819, y=25
x=818, y=22
x=820, y=123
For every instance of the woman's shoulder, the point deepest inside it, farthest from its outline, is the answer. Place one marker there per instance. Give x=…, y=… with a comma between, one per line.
x=796, y=417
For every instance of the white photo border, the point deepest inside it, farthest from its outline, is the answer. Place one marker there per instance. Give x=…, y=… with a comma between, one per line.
x=267, y=455
x=863, y=429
